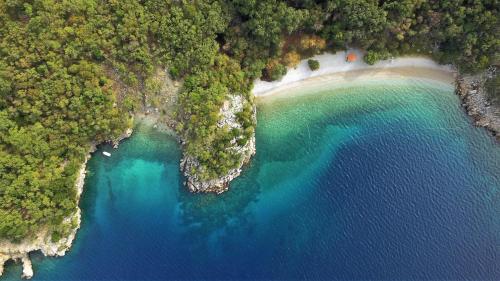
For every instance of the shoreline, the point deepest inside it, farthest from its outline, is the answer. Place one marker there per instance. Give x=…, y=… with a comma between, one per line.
x=347, y=79
x=475, y=102
x=469, y=88
x=42, y=242
x=334, y=68
x=334, y=71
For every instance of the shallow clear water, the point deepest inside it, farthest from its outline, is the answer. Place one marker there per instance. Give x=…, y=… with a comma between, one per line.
x=380, y=180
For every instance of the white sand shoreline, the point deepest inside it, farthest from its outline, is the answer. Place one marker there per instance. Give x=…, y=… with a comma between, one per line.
x=333, y=67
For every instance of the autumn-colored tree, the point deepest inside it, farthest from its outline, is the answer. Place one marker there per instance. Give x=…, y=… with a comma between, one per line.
x=312, y=43
x=291, y=59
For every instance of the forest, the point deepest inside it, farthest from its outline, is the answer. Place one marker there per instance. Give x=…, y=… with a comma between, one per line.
x=60, y=61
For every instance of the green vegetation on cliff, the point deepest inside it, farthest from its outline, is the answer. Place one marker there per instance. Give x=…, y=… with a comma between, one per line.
x=55, y=100
x=61, y=61
x=199, y=105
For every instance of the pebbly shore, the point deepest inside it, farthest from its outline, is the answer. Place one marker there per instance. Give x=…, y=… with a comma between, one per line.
x=472, y=92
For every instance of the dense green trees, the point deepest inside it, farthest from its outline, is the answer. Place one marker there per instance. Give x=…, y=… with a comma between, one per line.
x=359, y=22
x=61, y=62
x=459, y=32
x=186, y=33
x=199, y=106
x=55, y=101
x=257, y=28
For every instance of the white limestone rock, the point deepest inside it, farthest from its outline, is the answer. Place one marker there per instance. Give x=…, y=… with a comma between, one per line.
x=232, y=106
x=27, y=267
x=43, y=240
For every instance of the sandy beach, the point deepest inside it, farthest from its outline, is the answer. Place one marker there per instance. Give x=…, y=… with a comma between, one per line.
x=334, y=68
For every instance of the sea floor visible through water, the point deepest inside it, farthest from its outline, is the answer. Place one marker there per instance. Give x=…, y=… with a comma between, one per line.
x=384, y=180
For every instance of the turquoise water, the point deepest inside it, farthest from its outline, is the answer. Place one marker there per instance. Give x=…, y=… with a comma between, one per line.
x=382, y=180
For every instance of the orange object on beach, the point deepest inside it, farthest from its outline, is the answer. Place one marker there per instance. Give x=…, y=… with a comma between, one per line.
x=351, y=57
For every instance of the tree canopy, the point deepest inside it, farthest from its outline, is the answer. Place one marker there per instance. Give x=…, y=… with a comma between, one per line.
x=60, y=60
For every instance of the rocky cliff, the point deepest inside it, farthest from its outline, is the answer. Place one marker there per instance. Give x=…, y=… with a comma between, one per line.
x=43, y=240
x=471, y=90
x=228, y=113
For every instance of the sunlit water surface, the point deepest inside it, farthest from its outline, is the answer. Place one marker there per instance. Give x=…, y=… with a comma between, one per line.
x=378, y=180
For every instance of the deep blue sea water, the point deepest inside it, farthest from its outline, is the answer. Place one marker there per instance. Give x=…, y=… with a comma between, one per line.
x=380, y=181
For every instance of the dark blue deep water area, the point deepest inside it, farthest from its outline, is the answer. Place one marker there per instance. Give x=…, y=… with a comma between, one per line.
x=379, y=181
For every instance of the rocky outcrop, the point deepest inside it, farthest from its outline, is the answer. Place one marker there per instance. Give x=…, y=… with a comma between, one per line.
x=125, y=135
x=221, y=184
x=231, y=107
x=3, y=259
x=24, y=258
x=27, y=267
x=43, y=240
x=472, y=92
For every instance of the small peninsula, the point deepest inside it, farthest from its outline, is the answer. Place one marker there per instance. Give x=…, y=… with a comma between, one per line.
x=77, y=74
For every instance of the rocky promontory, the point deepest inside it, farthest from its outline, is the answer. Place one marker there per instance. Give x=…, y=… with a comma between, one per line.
x=43, y=240
x=232, y=106
x=472, y=92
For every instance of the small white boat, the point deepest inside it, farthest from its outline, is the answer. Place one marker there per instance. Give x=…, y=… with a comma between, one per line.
x=106, y=153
